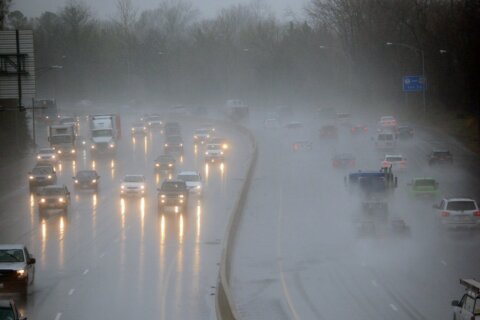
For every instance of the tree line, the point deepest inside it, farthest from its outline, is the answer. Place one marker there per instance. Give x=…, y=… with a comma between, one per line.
x=334, y=51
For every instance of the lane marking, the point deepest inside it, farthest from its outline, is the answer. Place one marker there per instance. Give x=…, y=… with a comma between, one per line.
x=393, y=307
x=444, y=263
x=374, y=283
x=85, y=272
x=71, y=292
x=102, y=255
x=58, y=316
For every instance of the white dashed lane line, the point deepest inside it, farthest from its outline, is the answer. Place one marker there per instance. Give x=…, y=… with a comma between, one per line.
x=444, y=263
x=394, y=308
x=71, y=292
x=85, y=272
x=58, y=316
x=374, y=283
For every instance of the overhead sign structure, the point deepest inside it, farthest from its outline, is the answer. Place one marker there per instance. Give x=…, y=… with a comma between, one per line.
x=17, y=66
x=413, y=83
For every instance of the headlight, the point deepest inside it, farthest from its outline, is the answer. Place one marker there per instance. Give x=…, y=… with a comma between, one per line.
x=144, y=128
x=166, y=144
x=84, y=142
x=112, y=145
x=157, y=165
x=31, y=177
x=53, y=157
x=206, y=153
x=93, y=146
x=221, y=153
x=142, y=187
x=61, y=200
x=42, y=200
x=225, y=146
x=199, y=187
x=122, y=187
x=196, y=137
x=49, y=177
x=133, y=129
x=181, y=196
x=59, y=151
x=162, y=196
x=73, y=151
x=76, y=181
x=181, y=144
x=21, y=273
x=38, y=157
x=94, y=181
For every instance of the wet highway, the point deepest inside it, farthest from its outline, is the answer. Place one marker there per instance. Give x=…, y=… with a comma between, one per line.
x=297, y=254
x=121, y=259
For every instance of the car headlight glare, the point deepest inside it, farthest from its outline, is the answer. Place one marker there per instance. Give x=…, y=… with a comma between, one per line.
x=162, y=196
x=76, y=181
x=94, y=181
x=112, y=145
x=170, y=165
x=73, y=151
x=122, y=187
x=53, y=157
x=157, y=165
x=42, y=200
x=61, y=200
x=181, y=196
x=93, y=146
x=38, y=157
x=31, y=177
x=59, y=151
x=166, y=144
x=49, y=177
x=142, y=187
x=21, y=272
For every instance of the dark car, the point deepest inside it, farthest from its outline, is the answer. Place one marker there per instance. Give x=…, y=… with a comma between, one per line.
x=328, y=131
x=17, y=268
x=42, y=175
x=343, y=160
x=9, y=311
x=139, y=128
x=86, y=179
x=405, y=132
x=172, y=129
x=173, y=144
x=359, y=129
x=173, y=193
x=164, y=163
x=53, y=197
x=154, y=122
x=440, y=156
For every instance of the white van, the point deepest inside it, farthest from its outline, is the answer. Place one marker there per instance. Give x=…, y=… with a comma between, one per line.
x=385, y=140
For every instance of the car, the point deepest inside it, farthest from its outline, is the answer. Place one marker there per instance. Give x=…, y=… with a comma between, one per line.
x=173, y=145
x=86, y=179
x=172, y=129
x=221, y=141
x=172, y=193
x=154, y=122
x=469, y=306
x=385, y=140
x=440, y=156
x=359, y=129
x=210, y=127
x=214, y=153
x=53, y=197
x=294, y=125
x=301, y=145
x=343, y=118
x=139, y=128
x=133, y=185
x=271, y=123
x=396, y=161
x=46, y=156
x=387, y=122
x=423, y=187
x=17, y=268
x=42, y=175
x=165, y=163
x=399, y=227
x=200, y=136
x=9, y=311
x=328, y=131
x=193, y=179
x=405, y=131
x=343, y=160
x=458, y=212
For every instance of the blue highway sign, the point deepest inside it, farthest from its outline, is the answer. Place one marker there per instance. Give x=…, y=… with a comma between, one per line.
x=413, y=83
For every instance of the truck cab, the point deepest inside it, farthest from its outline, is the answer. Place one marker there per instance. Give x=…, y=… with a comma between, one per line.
x=468, y=307
x=104, y=132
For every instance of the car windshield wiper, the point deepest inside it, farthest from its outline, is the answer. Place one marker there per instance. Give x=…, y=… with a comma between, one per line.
x=12, y=256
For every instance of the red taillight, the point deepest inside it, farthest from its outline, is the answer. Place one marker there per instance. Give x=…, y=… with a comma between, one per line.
x=365, y=129
x=476, y=213
x=354, y=129
x=445, y=214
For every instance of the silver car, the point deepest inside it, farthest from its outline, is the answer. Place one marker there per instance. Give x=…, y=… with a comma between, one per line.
x=458, y=212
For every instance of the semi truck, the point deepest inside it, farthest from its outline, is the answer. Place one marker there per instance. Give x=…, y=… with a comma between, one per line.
x=62, y=138
x=105, y=131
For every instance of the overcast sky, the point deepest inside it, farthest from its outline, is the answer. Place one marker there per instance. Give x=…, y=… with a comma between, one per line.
x=105, y=8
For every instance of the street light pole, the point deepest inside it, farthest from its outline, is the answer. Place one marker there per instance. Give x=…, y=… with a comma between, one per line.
x=422, y=53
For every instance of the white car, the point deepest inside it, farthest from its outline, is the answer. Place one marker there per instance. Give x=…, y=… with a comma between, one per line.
x=385, y=140
x=387, y=122
x=458, y=212
x=214, y=153
x=46, y=155
x=193, y=180
x=396, y=161
x=133, y=185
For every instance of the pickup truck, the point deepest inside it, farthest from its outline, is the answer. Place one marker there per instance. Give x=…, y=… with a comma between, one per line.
x=17, y=268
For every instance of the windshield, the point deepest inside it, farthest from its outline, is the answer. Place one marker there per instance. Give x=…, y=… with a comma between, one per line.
x=425, y=183
x=394, y=159
x=13, y=255
x=61, y=139
x=46, y=151
x=52, y=191
x=385, y=137
x=461, y=205
x=441, y=153
x=189, y=177
x=214, y=147
x=134, y=179
x=102, y=133
x=173, y=186
x=67, y=120
x=86, y=174
x=154, y=118
x=42, y=170
x=174, y=139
